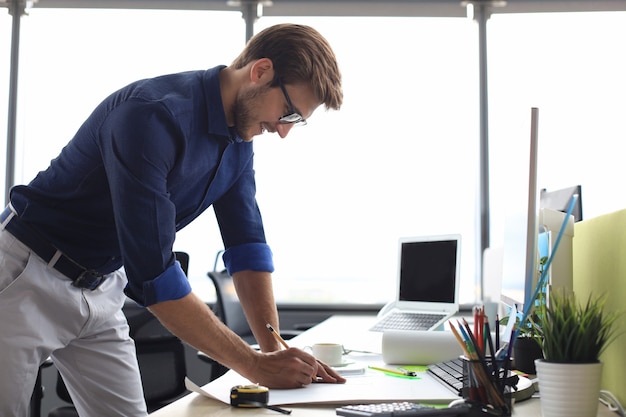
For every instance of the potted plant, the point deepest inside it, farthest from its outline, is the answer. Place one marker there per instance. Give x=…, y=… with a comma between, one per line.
x=527, y=345
x=574, y=336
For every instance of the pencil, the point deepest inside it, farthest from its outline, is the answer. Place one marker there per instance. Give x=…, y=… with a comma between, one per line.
x=393, y=371
x=460, y=340
x=492, y=352
x=282, y=342
x=481, y=370
x=277, y=336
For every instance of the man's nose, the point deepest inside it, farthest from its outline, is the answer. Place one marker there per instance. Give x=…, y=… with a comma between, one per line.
x=283, y=129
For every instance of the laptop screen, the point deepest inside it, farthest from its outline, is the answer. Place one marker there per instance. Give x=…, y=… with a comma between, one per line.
x=428, y=271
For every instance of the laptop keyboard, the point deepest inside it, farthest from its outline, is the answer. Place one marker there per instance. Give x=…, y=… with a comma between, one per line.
x=407, y=321
x=450, y=373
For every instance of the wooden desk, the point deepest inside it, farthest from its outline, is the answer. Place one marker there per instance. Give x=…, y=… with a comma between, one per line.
x=195, y=405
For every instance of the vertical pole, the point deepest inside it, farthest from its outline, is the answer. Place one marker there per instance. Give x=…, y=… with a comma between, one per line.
x=249, y=12
x=482, y=15
x=16, y=9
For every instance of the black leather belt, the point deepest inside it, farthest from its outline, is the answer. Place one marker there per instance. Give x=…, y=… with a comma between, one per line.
x=81, y=277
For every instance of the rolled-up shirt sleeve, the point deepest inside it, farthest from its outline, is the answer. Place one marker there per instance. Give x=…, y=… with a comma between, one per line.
x=172, y=284
x=249, y=256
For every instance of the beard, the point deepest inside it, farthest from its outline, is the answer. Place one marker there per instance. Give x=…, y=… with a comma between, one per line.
x=245, y=110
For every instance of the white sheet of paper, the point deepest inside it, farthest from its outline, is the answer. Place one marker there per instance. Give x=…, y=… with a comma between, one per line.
x=371, y=386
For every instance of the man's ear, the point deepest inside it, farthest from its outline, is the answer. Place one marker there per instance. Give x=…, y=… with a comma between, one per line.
x=262, y=71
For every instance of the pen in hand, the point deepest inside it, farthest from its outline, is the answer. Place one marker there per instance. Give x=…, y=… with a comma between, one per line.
x=282, y=341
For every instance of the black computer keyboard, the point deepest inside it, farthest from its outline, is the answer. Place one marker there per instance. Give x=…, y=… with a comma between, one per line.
x=450, y=373
x=399, y=409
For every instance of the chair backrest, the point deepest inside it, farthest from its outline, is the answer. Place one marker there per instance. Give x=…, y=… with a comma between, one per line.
x=163, y=370
x=228, y=309
x=227, y=306
x=183, y=258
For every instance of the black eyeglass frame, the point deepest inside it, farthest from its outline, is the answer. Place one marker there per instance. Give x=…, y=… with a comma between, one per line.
x=292, y=117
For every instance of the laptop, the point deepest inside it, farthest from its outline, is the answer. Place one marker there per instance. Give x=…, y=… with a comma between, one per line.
x=427, y=288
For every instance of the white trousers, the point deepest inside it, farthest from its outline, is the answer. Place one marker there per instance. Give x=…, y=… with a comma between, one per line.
x=84, y=332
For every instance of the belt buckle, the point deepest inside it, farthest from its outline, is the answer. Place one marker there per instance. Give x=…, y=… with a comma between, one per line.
x=89, y=280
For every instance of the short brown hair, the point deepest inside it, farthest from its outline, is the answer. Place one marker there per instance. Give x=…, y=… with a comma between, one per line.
x=300, y=54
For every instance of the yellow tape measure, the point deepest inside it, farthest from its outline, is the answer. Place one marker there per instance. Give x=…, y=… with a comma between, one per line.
x=249, y=395
x=253, y=396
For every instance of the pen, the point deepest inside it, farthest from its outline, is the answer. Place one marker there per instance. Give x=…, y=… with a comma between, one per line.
x=475, y=320
x=277, y=336
x=497, y=332
x=402, y=372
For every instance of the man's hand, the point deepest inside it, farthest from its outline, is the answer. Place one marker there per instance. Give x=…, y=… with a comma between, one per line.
x=328, y=374
x=291, y=368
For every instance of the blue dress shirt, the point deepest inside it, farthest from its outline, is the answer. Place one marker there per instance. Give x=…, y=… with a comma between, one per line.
x=150, y=159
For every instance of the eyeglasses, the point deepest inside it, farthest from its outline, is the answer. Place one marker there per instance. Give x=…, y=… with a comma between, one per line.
x=292, y=117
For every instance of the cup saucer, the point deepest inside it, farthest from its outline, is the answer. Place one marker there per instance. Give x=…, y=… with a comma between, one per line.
x=344, y=362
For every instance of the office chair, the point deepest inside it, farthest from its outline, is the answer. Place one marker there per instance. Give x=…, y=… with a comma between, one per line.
x=161, y=358
x=38, y=391
x=227, y=306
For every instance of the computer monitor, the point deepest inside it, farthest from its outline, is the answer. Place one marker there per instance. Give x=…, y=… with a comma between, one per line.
x=520, y=256
x=560, y=200
x=559, y=228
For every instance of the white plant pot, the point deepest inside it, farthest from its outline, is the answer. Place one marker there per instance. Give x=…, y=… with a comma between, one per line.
x=569, y=389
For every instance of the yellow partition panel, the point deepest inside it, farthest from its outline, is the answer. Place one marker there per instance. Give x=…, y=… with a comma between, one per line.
x=599, y=257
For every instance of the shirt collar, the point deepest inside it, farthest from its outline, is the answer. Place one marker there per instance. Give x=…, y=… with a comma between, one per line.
x=215, y=108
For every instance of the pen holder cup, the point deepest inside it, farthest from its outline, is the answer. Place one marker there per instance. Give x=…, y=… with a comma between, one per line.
x=490, y=383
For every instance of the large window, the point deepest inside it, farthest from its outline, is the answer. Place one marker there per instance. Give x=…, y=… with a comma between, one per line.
x=399, y=159
x=569, y=65
x=401, y=156
x=72, y=59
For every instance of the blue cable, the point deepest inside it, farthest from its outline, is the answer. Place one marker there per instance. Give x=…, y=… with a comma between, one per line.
x=546, y=267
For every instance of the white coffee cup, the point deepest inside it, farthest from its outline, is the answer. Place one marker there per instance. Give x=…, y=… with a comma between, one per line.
x=329, y=353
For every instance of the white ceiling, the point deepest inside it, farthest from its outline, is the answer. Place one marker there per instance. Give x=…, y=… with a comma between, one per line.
x=433, y=8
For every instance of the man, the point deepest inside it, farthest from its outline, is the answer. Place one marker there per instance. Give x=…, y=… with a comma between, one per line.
x=147, y=161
